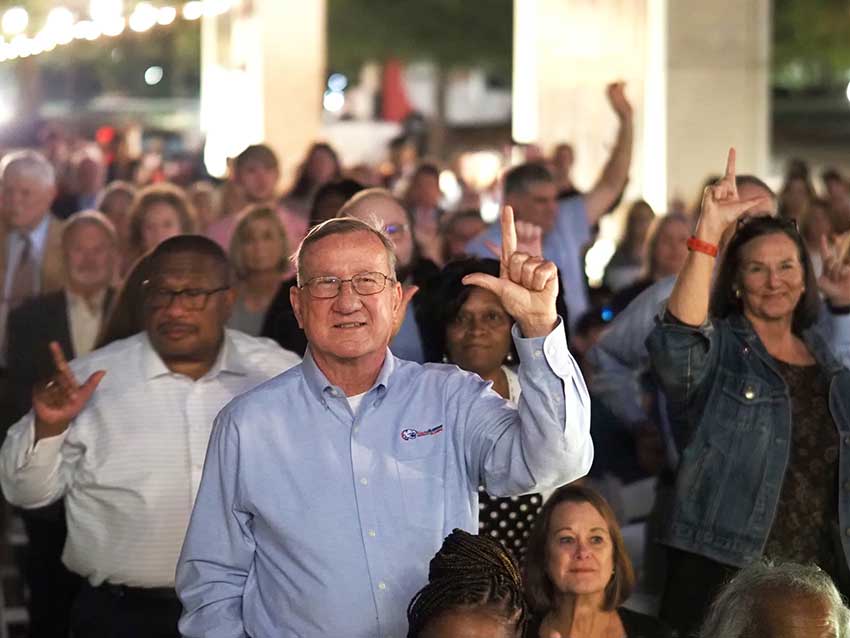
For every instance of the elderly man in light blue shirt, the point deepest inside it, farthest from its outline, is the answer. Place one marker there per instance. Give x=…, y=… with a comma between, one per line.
x=327, y=490
x=531, y=191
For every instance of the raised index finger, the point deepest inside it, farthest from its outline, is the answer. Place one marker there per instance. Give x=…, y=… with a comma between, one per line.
x=65, y=377
x=508, y=239
x=730, y=171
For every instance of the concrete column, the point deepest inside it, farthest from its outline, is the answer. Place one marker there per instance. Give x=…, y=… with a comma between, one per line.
x=697, y=75
x=263, y=70
x=717, y=88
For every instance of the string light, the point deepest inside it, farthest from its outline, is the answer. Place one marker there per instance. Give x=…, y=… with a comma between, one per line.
x=106, y=19
x=15, y=20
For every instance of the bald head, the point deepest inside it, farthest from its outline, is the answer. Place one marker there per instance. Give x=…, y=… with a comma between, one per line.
x=377, y=206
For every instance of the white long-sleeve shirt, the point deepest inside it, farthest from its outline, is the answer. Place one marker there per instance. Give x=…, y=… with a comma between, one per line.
x=130, y=464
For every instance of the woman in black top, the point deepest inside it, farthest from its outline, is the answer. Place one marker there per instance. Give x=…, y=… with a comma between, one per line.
x=578, y=574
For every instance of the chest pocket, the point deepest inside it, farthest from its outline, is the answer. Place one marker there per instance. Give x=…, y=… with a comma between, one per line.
x=421, y=467
x=746, y=404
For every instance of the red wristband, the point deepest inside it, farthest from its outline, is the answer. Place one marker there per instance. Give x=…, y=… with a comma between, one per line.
x=702, y=246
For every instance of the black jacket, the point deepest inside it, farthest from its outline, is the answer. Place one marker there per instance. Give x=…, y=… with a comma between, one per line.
x=31, y=328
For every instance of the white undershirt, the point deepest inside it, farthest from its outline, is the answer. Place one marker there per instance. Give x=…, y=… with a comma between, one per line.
x=354, y=401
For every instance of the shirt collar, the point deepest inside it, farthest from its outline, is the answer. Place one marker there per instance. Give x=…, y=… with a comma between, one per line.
x=319, y=384
x=38, y=235
x=227, y=360
x=95, y=305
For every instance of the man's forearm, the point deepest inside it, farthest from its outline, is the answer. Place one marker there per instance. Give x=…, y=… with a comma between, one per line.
x=614, y=175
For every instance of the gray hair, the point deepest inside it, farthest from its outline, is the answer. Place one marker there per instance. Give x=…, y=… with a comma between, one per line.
x=30, y=163
x=356, y=200
x=342, y=226
x=93, y=217
x=735, y=608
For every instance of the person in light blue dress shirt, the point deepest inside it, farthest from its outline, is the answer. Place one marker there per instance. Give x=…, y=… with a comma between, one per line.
x=530, y=189
x=327, y=489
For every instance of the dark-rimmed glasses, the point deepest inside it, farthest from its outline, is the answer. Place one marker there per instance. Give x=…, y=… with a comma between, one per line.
x=190, y=298
x=364, y=283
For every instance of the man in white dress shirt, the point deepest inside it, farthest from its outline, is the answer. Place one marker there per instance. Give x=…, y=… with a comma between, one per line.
x=126, y=447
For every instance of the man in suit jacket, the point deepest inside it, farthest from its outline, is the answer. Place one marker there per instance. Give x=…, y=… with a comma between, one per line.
x=30, y=237
x=71, y=317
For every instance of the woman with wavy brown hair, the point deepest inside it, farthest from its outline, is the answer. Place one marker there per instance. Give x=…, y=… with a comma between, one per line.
x=578, y=573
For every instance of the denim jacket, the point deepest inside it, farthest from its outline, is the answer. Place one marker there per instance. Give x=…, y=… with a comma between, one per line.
x=732, y=409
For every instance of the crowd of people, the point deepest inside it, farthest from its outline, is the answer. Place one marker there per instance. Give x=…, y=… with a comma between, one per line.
x=349, y=409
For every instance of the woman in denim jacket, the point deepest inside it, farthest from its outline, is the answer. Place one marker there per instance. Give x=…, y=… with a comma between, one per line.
x=761, y=406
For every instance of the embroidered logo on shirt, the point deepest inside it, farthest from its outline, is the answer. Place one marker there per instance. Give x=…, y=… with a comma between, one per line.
x=410, y=434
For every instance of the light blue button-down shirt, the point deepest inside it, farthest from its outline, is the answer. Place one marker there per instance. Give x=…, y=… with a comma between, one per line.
x=561, y=245
x=314, y=521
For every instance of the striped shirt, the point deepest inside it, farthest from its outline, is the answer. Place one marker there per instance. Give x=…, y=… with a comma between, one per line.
x=130, y=464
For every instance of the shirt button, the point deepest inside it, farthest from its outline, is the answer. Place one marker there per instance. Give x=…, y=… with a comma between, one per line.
x=847, y=531
x=847, y=486
x=749, y=394
x=372, y=533
x=364, y=481
x=847, y=440
x=538, y=354
x=382, y=585
x=356, y=430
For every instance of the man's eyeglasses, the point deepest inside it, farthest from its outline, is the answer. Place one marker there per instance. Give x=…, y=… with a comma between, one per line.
x=393, y=230
x=190, y=298
x=365, y=283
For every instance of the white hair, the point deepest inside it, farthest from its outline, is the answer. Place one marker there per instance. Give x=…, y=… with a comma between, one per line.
x=29, y=163
x=342, y=226
x=92, y=217
x=733, y=611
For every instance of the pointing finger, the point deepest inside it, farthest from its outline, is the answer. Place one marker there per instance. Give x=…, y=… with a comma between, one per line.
x=508, y=238
x=65, y=377
x=730, y=171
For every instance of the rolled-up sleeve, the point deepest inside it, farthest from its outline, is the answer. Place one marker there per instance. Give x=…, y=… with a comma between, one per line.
x=683, y=357
x=31, y=474
x=546, y=441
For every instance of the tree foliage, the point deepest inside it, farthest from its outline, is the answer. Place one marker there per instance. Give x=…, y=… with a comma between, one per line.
x=451, y=33
x=811, y=43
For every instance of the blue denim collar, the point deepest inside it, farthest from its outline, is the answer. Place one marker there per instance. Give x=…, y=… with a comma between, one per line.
x=811, y=337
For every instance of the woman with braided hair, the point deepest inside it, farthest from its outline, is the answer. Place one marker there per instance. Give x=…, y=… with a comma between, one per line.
x=474, y=590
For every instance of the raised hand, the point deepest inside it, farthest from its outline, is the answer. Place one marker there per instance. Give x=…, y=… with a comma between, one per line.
x=61, y=399
x=834, y=283
x=527, y=285
x=616, y=92
x=529, y=239
x=721, y=205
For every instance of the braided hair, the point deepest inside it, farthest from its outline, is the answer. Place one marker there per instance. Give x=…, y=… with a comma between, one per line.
x=469, y=572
